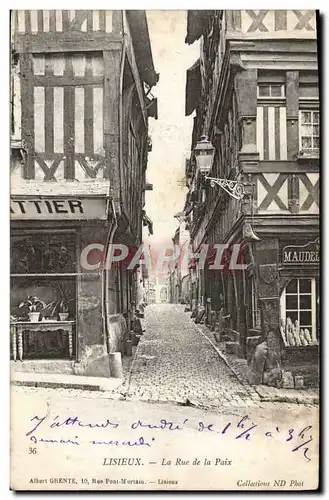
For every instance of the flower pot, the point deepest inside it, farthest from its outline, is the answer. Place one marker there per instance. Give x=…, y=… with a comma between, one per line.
x=63, y=316
x=34, y=317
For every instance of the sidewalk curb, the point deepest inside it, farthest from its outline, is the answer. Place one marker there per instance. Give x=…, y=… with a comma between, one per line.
x=287, y=397
x=273, y=398
x=63, y=382
x=221, y=355
x=55, y=385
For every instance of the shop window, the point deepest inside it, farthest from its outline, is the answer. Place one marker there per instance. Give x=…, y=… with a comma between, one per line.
x=58, y=296
x=43, y=281
x=42, y=253
x=299, y=312
x=309, y=132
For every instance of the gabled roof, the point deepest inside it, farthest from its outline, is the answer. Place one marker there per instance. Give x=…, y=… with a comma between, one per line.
x=142, y=46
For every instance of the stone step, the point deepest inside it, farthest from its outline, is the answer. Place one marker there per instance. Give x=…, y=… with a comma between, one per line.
x=56, y=380
x=62, y=366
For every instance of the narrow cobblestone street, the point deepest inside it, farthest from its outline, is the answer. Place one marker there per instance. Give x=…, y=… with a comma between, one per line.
x=176, y=362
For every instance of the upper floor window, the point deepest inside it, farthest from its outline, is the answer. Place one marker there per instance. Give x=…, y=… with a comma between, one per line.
x=271, y=91
x=309, y=132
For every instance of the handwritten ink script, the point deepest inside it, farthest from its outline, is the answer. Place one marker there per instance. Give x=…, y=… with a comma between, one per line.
x=237, y=428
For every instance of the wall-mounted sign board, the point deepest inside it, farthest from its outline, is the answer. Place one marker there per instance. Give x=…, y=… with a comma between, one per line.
x=302, y=254
x=58, y=208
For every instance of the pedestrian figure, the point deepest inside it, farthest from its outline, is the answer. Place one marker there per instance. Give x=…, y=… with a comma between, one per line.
x=136, y=323
x=223, y=317
x=222, y=321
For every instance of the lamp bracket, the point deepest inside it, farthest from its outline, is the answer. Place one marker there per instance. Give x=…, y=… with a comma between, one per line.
x=234, y=188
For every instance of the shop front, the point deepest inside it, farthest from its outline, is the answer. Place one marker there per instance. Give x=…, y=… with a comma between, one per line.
x=57, y=307
x=285, y=282
x=300, y=310
x=276, y=300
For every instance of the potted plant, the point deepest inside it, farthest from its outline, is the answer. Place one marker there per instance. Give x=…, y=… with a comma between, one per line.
x=63, y=311
x=35, y=306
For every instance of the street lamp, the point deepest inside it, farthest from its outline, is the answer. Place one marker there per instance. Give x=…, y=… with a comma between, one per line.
x=204, y=153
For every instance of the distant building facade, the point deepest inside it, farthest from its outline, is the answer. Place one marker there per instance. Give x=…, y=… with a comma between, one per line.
x=178, y=271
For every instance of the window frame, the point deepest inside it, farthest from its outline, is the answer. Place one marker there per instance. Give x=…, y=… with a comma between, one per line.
x=314, y=152
x=270, y=85
x=283, y=309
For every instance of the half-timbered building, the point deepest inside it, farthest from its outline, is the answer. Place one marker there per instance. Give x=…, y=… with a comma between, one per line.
x=81, y=97
x=255, y=94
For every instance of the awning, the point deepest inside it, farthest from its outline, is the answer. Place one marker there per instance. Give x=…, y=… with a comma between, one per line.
x=197, y=24
x=193, y=88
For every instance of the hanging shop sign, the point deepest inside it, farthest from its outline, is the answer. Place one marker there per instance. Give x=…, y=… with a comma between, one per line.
x=58, y=208
x=302, y=254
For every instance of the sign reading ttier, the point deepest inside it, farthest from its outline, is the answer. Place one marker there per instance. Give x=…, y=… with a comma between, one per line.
x=58, y=208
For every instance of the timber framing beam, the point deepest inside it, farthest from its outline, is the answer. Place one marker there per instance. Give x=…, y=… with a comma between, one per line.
x=57, y=42
x=289, y=167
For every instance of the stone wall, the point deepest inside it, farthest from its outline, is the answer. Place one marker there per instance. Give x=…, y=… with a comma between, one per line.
x=94, y=361
x=90, y=328
x=117, y=329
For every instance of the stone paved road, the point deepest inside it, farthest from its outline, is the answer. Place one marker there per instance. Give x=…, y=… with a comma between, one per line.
x=175, y=362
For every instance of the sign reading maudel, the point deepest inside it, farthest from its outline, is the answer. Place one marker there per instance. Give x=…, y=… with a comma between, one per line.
x=58, y=208
x=298, y=254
